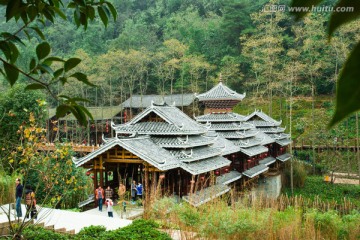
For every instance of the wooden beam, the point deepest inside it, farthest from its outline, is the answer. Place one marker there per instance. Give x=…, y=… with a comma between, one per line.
x=119, y=160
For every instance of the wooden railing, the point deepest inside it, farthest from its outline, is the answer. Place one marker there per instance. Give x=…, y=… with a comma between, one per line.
x=306, y=145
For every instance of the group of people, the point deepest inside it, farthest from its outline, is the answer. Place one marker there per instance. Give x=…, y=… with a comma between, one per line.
x=105, y=196
x=100, y=195
x=30, y=200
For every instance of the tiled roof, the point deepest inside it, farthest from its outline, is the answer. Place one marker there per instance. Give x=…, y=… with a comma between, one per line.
x=220, y=117
x=98, y=113
x=266, y=139
x=278, y=136
x=261, y=123
x=267, y=161
x=178, y=123
x=206, y=194
x=249, y=142
x=229, y=177
x=144, y=101
x=284, y=157
x=230, y=126
x=253, y=151
x=253, y=172
x=205, y=165
x=220, y=92
x=194, y=154
x=226, y=146
x=272, y=130
x=259, y=115
x=156, y=128
x=183, y=142
x=142, y=147
x=282, y=139
x=238, y=134
x=283, y=142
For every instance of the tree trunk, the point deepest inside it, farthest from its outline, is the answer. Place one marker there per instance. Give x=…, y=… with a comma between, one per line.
x=357, y=143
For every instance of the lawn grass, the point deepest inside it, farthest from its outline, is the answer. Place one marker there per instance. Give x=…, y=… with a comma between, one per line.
x=315, y=186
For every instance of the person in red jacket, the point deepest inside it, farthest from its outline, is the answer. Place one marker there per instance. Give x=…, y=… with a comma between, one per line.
x=99, y=194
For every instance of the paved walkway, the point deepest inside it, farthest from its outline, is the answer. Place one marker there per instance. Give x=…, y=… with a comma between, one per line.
x=74, y=220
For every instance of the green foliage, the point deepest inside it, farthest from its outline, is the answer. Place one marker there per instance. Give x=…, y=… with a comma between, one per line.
x=139, y=229
x=189, y=216
x=299, y=174
x=315, y=186
x=328, y=223
x=7, y=188
x=32, y=17
x=92, y=232
x=39, y=233
x=347, y=87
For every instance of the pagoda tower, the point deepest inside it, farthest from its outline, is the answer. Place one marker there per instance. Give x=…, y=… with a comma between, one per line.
x=260, y=138
x=220, y=98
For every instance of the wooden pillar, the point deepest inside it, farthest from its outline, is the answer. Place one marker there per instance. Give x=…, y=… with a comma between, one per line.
x=95, y=181
x=146, y=190
x=192, y=184
x=101, y=172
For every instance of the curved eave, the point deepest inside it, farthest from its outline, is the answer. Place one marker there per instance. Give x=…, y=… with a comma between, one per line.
x=255, y=171
x=205, y=165
x=142, y=147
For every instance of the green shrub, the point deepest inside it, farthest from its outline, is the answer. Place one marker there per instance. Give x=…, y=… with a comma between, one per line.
x=350, y=228
x=139, y=230
x=39, y=233
x=92, y=232
x=188, y=215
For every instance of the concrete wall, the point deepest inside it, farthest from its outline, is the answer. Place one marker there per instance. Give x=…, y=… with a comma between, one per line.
x=268, y=187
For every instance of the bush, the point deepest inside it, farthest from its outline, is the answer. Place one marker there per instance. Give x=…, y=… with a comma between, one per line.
x=39, y=233
x=139, y=230
x=92, y=232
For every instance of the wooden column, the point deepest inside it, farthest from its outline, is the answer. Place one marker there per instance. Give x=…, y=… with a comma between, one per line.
x=101, y=172
x=192, y=184
x=146, y=190
x=95, y=181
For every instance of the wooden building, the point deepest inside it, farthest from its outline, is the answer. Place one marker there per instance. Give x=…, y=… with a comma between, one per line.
x=198, y=160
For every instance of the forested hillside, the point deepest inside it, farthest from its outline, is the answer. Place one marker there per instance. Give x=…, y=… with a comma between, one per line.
x=180, y=46
x=176, y=46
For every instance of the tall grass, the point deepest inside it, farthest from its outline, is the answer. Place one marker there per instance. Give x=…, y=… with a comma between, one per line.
x=256, y=218
x=7, y=188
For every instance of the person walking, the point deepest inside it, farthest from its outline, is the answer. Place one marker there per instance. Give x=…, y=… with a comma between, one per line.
x=99, y=194
x=30, y=201
x=108, y=193
x=109, y=204
x=18, y=195
x=133, y=192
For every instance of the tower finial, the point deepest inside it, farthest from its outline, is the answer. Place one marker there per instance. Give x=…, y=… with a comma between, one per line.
x=220, y=78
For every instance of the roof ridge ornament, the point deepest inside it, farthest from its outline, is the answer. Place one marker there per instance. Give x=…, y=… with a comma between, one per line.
x=112, y=124
x=186, y=154
x=184, y=141
x=180, y=127
x=104, y=139
x=208, y=125
x=152, y=104
x=133, y=135
x=220, y=78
